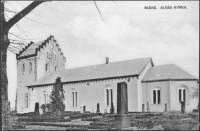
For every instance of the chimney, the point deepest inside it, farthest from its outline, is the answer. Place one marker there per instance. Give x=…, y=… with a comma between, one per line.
x=107, y=60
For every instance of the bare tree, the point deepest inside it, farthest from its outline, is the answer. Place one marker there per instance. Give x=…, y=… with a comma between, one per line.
x=8, y=44
x=5, y=42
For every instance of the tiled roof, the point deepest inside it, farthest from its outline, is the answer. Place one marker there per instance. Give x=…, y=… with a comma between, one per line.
x=30, y=50
x=33, y=47
x=114, y=69
x=166, y=72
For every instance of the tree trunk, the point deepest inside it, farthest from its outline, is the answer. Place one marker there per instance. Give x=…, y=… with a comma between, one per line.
x=4, y=29
x=6, y=124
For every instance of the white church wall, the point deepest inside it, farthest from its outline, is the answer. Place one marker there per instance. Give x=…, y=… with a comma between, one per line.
x=90, y=95
x=139, y=84
x=37, y=95
x=191, y=103
x=148, y=88
x=24, y=78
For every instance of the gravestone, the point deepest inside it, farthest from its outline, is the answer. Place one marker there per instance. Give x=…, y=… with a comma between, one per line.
x=142, y=107
x=36, y=107
x=182, y=106
x=148, y=110
x=165, y=107
x=84, y=109
x=122, y=119
x=98, y=109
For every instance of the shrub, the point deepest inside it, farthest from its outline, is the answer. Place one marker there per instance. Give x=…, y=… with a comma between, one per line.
x=112, y=109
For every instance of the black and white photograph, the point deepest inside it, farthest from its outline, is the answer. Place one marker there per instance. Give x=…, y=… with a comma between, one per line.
x=100, y=65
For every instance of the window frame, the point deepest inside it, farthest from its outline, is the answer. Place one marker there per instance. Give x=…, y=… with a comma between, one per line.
x=156, y=97
x=108, y=95
x=183, y=95
x=74, y=98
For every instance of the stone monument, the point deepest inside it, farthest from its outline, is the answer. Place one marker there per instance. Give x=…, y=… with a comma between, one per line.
x=36, y=107
x=182, y=106
x=122, y=119
x=98, y=109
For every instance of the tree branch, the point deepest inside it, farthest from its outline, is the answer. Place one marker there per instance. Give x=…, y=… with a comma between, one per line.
x=98, y=10
x=21, y=14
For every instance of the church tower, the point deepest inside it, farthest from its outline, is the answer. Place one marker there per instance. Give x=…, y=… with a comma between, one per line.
x=35, y=61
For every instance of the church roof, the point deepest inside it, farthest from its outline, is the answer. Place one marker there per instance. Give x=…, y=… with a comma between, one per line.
x=110, y=70
x=30, y=50
x=33, y=47
x=167, y=72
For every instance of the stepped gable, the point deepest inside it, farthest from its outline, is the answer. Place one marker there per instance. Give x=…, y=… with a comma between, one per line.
x=113, y=70
x=33, y=47
x=167, y=72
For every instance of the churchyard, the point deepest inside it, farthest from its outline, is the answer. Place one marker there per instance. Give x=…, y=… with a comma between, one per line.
x=92, y=121
x=122, y=120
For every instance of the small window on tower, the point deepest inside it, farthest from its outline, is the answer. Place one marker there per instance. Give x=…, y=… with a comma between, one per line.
x=30, y=67
x=54, y=55
x=23, y=68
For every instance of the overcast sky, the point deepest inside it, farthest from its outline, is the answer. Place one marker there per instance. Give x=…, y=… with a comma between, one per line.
x=169, y=36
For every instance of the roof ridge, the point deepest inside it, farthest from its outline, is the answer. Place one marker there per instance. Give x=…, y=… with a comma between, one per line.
x=108, y=63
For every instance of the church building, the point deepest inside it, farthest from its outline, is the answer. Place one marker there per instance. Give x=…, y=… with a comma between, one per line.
x=150, y=88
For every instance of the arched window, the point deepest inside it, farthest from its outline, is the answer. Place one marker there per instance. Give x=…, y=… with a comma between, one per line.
x=48, y=53
x=26, y=100
x=182, y=95
x=156, y=96
x=54, y=55
x=46, y=97
x=74, y=98
x=23, y=68
x=108, y=95
x=30, y=67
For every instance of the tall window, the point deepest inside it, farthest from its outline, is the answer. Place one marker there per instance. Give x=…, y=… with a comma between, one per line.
x=46, y=98
x=74, y=98
x=54, y=55
x=182, y=95
x=158, y=91
x=26, y=100
x=48, y=54
x=111, y=95
x=30, y=67
x=108, y=96
x=156, y=96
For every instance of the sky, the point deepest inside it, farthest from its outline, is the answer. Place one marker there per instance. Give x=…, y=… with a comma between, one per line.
x=127, y=31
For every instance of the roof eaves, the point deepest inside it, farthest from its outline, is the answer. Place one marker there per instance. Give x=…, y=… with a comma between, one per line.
x=23, y=57
x=31, y=86
x=136, y=75
x=143, y=81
